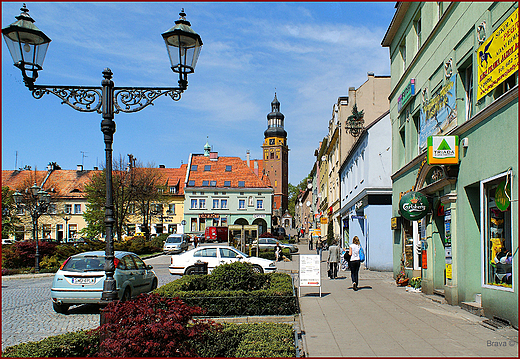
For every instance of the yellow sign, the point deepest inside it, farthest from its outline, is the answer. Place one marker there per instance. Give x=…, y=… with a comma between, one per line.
x=324, y=220
x=498, y=56
x=448, y=271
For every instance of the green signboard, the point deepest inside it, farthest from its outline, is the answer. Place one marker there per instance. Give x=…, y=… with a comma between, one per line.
x=414, y=206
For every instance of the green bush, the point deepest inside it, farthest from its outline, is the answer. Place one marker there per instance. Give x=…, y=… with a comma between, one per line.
x=248, y=293
x=269, y=253
x=75, y=344
x=225, y=341
x=249, y=340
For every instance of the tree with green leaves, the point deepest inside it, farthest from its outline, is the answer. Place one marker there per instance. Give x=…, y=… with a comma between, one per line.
x=9, y=217
x=294, y=192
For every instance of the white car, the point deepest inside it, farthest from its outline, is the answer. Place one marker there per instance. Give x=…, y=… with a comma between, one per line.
x=215, y=255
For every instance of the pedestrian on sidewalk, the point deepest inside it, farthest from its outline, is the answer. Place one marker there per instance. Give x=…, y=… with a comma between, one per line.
x=333, y=259
x=310, y=242
x=355, y=262
x=277, y=251
x=319, y=247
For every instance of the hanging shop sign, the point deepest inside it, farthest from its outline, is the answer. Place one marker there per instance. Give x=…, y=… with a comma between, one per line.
x=406, y=95
x=498, y=56
x=439, y=114
x=413, y=206
x=324, y=220
x=443, y=150
x=424, y=260
x=503, y=195
x=394, y=222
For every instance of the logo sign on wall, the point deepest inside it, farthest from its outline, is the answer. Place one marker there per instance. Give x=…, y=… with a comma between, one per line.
x=443, y=150
x=498, y=56
x=414, y=206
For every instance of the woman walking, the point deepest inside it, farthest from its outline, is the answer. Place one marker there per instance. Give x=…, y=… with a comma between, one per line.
x=355, y=261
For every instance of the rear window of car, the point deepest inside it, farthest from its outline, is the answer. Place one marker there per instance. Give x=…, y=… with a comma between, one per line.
x=206, y=252
x=85, y=264
x=173, y=240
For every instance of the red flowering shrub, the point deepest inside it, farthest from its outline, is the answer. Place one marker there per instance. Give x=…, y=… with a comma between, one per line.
x=21, y=254
x=152, y=326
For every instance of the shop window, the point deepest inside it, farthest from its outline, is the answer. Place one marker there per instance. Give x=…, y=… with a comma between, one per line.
x=73, y=230
x=194, y=224
x=498, y=248
x=408, y=244
x=46, y=231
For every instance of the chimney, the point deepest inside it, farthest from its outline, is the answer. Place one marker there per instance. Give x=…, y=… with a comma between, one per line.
x=247, y=158
x=162, y=166
x=370, y=74
x=213, y=156
x=79, y=168
x=96, y=168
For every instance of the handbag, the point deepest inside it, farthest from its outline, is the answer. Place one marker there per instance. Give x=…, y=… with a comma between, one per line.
x=361, y=254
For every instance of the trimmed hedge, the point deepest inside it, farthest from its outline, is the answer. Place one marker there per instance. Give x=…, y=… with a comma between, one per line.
x=228, y=341
x=260, y=340
x=75, y=344
x=235, y=290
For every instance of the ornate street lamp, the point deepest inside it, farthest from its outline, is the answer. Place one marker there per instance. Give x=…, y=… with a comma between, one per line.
x=28, y=46
x=40, y=203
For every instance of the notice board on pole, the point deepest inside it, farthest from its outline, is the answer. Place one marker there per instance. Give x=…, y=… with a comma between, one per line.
x=310, y=271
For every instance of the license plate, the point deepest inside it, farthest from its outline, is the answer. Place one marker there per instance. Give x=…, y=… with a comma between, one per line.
x=83, y=280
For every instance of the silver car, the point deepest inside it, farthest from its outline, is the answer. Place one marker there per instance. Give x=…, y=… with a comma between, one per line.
x=270, y=243
x=80, y=279
x=176, y=243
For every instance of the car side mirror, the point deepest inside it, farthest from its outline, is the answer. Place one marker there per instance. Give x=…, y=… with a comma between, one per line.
x=149, y=266
x=240, y=257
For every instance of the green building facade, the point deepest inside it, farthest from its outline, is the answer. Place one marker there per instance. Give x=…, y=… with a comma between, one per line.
x=454, y=70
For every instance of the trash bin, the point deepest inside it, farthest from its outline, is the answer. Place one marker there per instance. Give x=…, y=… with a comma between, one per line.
x=200, y=267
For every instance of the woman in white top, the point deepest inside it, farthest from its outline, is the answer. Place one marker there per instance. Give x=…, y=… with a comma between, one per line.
x=354, y=261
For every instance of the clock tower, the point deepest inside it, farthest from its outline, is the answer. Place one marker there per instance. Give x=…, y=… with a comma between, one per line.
x=276, y=160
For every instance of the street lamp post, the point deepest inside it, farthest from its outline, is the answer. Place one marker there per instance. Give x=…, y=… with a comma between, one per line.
x=41, y=200
x=28, y=45
x=66, y=217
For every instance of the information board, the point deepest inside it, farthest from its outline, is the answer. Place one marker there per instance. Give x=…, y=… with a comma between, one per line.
x=310, y=271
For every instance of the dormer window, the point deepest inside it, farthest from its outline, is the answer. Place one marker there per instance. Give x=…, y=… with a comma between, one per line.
x=241, y=183
x=207, y=168
x=194, y=167
x=205, y=183
x=191, y=183
x=228, y=168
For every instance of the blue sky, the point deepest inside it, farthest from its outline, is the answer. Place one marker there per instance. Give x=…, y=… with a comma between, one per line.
x=310, y=53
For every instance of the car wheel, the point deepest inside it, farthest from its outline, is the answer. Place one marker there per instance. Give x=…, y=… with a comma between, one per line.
x=60, y=308
x=257, y=269
x=154, y=284
x=190, y=271
x=127, y=294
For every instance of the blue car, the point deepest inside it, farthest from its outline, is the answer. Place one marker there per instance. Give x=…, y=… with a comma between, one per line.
x=80, y=279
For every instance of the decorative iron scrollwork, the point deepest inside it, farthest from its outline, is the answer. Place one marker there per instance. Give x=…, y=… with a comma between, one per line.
x=135, y=99
x=481, y=33
x=84, y=99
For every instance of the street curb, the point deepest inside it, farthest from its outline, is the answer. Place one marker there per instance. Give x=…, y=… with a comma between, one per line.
x=27, y=276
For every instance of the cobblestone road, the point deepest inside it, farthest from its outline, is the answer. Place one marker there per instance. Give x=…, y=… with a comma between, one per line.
x=27, y=313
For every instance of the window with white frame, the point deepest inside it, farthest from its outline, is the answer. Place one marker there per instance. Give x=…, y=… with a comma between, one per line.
x=171, y=208
x=216, y=203
x=77, y=209
x=259, y=204
x=202, y=203
x=223, y=203
x=241, y=204
x=68, y=208
x=194, y=203
x=498, y=248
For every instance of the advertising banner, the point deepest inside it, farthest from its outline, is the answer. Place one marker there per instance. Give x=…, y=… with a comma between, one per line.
x=310, y=271
x=413, y=206
x=439, y=114
x=443, y=150
x=498, y=56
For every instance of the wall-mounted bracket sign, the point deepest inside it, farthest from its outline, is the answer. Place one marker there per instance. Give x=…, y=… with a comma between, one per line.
x=406, y=95
x=413, y=206
x=443, y=150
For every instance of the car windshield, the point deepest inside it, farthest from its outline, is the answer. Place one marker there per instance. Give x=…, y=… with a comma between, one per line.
x=173, y=240
x=85, y=264
x=241, y=253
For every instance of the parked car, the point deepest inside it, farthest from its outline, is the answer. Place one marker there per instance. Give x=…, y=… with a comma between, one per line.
x=270, y=243
x=176, y=243
x=215, y=255
x=80, y=279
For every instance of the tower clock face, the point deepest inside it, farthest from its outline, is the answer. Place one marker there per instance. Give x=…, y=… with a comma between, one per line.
x=271, y=141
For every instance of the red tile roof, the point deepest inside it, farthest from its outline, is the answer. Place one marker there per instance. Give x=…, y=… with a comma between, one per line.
x=218, y=173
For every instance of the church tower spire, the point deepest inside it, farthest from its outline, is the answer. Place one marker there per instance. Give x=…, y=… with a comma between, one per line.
x=276, y=160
